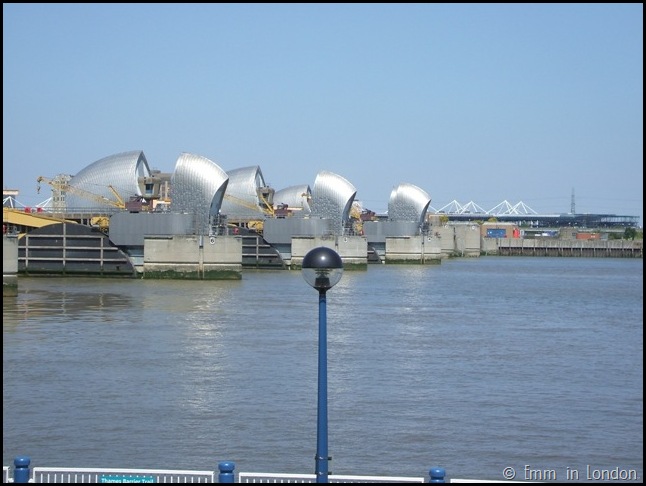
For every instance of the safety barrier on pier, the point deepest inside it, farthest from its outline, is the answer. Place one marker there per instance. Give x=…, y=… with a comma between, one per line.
x=22, y=473
x=102, y=475
x=332, y=478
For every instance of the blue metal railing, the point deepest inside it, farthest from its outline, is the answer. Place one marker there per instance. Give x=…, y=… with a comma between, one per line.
x=22, y=473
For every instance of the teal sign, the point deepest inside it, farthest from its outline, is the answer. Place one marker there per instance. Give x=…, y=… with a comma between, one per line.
x=125, y=478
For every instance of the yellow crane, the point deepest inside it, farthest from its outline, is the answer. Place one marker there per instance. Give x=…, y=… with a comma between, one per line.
x=65, y=187
x=266, y=196
x=266, y=208
x=121, y=203
x=102, y=222
x=255, y=224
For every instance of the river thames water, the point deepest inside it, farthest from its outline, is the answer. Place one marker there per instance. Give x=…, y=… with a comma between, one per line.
x=476, y=365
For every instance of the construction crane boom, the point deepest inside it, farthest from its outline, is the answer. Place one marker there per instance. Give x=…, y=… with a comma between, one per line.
x=266, y=196
x=122, y=203
x=65, y=187
x=265, y=209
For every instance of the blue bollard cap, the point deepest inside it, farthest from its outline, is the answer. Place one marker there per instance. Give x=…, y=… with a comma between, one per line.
x=22, y=461
x=226, y=466
x=437, y=472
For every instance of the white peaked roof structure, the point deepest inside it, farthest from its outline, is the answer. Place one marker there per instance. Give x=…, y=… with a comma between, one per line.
x=119, y=172
x=455, y=207
x=506, y=207
x=332, y=198
x=296, y=197
x=198, y=186
x=10, y=201
x=242, y=200
x=502, y=209
x=451, y=208
x=472, y=207
x=408, y=203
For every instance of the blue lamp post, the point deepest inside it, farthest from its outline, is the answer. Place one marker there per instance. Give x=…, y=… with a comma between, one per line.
x=322, y=269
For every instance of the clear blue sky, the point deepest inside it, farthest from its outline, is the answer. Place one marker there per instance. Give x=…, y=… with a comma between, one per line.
x=470, y=102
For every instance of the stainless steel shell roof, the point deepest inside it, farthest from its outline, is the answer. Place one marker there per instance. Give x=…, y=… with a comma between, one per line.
x=121, y=171
x=408, y=203
x=296, y=197
x=241, y=199
x=198, y=185
x=332, y=198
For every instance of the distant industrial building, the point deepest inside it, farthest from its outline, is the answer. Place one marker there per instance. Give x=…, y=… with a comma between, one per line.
x=552, y=220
